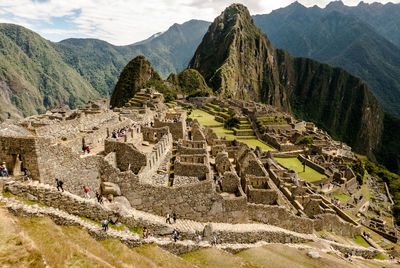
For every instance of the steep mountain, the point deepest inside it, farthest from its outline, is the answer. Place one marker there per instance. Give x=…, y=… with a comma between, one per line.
x=34, y=77
x=101, y=63
x=134, y=76
x=238, y=61
x=339, y=40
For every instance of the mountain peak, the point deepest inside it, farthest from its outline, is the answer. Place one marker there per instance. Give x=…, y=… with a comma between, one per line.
x=235, y=57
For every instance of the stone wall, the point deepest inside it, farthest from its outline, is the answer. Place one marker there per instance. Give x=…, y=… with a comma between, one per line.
x=261, y=196
x=127, y=156
x=178, y=129
x=332, y=223
x=59, y=162
x=154, y=134
x=26, y=148
x=230, y=182
x=280, y=216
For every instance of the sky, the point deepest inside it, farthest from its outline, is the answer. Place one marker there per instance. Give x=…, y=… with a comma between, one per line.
x=123, y=22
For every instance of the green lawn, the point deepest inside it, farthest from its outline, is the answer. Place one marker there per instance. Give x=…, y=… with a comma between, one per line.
x=342, y=197
x=206, y=119
x=361, y=241
x=309, y=175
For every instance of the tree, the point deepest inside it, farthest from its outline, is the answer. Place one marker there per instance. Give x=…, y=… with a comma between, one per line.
x=305, y=141
x=231, y=122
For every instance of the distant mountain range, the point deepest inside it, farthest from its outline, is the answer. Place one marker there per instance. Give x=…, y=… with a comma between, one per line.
x=36, y=74
x=353, y=38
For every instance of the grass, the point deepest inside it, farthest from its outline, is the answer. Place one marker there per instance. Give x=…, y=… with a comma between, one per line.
x=160, y=257
x=206, y=119
x=310, y=175
x=212, y=257
x=361, y=241
x=342, y=197
x=380, y=256
x=284, y=256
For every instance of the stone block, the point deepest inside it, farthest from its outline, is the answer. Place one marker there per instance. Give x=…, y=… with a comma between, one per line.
x=110, y=188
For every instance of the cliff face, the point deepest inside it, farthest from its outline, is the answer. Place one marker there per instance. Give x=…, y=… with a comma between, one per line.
x=332, y=98
x=134, y=76
x=237, y=60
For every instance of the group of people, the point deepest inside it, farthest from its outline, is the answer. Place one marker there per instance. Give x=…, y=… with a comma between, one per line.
x=99, y=197
x=86, y=148
x=118, y=133
x=168, y=219
x=175, y=119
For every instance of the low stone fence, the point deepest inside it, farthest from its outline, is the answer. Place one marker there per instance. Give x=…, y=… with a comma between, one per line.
x=251, y=234
x=281, y=217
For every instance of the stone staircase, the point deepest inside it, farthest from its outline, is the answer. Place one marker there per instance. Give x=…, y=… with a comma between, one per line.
x=231, y=237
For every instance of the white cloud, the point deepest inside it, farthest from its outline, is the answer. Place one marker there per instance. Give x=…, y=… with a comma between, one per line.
x=124, y=21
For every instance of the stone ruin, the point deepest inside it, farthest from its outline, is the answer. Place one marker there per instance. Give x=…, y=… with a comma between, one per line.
x=160, y=165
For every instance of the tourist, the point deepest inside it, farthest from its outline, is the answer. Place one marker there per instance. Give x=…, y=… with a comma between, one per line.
x=101, y=199
x=59, y=185
x=168, y=220
x=97, y=196
x=174, y=217
x=176, y=235
x=88, y=149
x=26, y=174
x=3, y=171
x=84, y=148
x=86, y=192
x=214, y=242
x=198, y=238
x=104, y=224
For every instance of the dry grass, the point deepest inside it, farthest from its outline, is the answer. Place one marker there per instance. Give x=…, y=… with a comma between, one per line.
x=212, y=257
x=160, y=257
x=16, y=249
x=284, y=256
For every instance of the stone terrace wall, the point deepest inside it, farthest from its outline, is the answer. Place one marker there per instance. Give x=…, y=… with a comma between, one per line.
x=26, y=147
x=59, y=162
x=51, y=197
x=280, y=216
x=332, y=223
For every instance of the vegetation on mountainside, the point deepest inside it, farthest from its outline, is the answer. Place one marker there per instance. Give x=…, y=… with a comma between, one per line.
x=189, y=82
x=333, y=99
x=393, y=182
x=34, y=77
x=137, y=74
x=227, y=60
x=339, y=40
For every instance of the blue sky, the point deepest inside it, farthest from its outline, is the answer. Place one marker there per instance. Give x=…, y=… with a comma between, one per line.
x=123, y=22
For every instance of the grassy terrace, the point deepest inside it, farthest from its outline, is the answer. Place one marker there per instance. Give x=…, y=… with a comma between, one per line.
x=310, y=175
x=206, y=119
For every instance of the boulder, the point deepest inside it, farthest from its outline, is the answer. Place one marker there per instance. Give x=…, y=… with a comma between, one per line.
x=108, y=188
x=313, y=254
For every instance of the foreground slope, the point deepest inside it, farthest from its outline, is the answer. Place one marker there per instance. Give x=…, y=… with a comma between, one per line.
x=238, y=61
